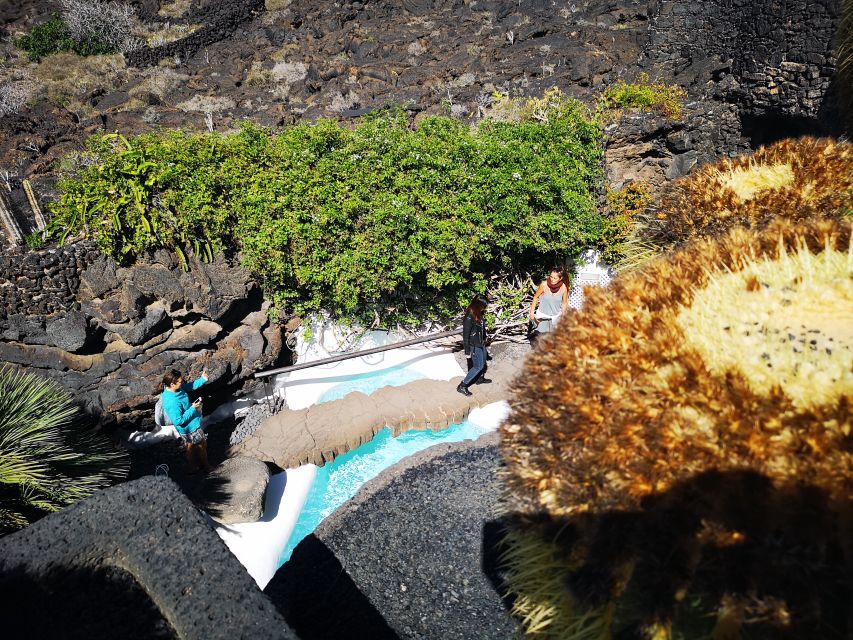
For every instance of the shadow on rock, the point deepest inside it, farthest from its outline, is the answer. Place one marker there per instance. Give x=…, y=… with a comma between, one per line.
x=320, y=601
x=494, y=547
x=80, y=602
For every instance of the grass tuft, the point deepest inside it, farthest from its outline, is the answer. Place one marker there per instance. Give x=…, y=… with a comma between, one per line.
x=645, y=95
x=546, y=609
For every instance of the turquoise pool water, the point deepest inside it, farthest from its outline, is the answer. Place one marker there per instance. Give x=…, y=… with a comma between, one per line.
x=369, y=382
x=339, y=480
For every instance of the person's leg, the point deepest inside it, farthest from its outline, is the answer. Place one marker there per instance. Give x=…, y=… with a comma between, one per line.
x=202, y=455
x=192, y=458
x=482, y=379
x=478, y=356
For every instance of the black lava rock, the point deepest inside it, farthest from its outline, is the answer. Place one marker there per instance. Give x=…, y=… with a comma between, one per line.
x=134, y=561
x=413, y=555
x=254, y=418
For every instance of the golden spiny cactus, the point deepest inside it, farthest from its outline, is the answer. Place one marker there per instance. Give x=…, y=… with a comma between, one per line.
x=800, y=178
x=679, y=457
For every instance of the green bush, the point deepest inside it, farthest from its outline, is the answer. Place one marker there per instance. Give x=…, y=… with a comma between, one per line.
x=54, y=36
x=645, y=95
x=49, y=456
x=380, y=219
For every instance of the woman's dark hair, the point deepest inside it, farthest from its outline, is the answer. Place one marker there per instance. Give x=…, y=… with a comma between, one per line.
x=477, y=307
x=171, y=377
x=558, y=268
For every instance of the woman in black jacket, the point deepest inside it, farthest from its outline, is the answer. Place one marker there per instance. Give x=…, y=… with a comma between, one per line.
x=474, y=342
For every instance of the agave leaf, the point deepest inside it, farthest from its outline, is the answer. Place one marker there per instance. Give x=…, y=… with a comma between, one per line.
x=182, y=258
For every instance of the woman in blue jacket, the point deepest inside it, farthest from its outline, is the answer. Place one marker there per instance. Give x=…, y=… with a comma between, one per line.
x=186, y=417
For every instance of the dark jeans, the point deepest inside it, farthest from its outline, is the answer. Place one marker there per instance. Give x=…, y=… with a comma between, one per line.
x=478, y=357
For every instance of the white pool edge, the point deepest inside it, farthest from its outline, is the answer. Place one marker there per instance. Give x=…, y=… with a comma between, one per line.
x=304, y=388
x=259, y=545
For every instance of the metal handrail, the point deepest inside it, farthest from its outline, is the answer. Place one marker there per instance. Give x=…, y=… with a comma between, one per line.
x=265, y=375
x=358, y=354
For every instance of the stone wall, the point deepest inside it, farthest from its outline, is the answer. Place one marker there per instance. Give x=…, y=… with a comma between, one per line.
x=755, y=72
x=37, y=283
x=107, y=333
x=770, y=56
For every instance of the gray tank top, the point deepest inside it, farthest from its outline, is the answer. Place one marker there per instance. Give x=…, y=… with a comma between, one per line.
x=550, y=308
x=551, y=304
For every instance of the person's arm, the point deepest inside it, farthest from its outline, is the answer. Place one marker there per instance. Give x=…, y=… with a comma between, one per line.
x=180, y=415
x=189, y=413
x=198, y=382
x=467, y=324
x=485, y=338
x=536, y=296
x=565, y=297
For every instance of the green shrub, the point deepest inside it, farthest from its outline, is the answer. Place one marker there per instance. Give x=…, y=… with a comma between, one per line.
x=379, y=219
x=623, y=206
x=49, y=456
x=34, y=240
x=646, y=95
x=54, y=36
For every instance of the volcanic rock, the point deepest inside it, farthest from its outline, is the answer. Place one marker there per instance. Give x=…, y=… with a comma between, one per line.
x=69, y=332
x=234, y=491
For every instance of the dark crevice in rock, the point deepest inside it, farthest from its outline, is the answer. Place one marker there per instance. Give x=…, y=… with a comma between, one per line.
x=766, y=128
x=96, y=342
x=235, y=314
x=76, y=597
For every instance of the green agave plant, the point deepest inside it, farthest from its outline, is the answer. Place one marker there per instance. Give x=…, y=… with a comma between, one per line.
x=49, y=456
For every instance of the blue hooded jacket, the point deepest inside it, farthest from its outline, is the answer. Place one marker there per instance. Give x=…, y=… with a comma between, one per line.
x=177, y=406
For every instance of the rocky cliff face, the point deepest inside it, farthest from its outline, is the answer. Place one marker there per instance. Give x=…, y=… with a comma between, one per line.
x=755, y=72
x=108, y=333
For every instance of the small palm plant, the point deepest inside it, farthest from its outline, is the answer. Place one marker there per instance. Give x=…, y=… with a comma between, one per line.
x=49, y=456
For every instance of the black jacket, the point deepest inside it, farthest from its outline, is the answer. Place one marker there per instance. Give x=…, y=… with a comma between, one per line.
x=473, y=334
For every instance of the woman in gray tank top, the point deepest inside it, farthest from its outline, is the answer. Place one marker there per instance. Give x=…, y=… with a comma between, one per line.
x=553, y=298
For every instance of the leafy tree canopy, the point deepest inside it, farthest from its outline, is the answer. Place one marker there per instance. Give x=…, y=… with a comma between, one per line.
x=379, y=219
